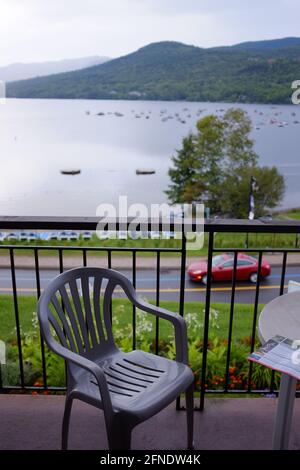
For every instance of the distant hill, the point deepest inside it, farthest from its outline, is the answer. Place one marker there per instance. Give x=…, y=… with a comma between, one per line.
x=259, y=72
x=21, y=71
x=268, y=45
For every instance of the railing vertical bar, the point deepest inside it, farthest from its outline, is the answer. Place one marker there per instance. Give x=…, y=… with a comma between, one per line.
x=182, y=273
x=255, y=313
x=182, y=286
x=157, y=301
x=247, y=240
x=283, y=273
x=231, y=320
x=17, y=317
x=61, y=270
x=38, y=291
x=84, y=257
x=133, y=307
x=61, y=261
x=109, y=259
x=206, y=318
x=109, y=267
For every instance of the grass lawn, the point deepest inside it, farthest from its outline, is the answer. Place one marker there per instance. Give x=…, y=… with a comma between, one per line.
x=122, y=312
x=291, y=214
x=145, y=340
x=222, y=240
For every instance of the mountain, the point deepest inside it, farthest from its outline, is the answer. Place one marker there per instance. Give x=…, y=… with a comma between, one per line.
x=21, y=71
x=268, y=45
x=258, y=72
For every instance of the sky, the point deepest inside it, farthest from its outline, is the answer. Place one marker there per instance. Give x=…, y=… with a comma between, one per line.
x=41, y=30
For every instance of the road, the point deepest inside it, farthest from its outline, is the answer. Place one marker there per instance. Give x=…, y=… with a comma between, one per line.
x=169, y=285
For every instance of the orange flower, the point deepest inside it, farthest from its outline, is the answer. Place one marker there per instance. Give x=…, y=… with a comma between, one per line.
x=37, y=383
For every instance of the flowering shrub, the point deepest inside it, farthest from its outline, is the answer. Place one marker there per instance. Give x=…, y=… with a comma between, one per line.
x=238, y=372
x=32, y=360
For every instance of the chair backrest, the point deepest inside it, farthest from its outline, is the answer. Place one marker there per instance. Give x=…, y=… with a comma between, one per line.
x=75, y=310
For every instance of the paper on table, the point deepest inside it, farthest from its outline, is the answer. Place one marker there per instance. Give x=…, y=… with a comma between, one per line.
x=281, y=354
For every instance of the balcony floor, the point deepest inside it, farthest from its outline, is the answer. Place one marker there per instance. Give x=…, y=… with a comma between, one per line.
x=34, y=422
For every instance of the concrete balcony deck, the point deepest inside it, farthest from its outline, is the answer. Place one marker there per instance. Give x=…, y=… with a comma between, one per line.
x=34, y=423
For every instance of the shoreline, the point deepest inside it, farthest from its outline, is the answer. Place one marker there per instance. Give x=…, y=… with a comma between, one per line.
x=137, y=100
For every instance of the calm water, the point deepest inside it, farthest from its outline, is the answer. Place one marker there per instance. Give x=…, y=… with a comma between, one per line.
x=41, y=137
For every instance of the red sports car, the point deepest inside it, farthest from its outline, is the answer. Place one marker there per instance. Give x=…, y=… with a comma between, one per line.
x=222, y=268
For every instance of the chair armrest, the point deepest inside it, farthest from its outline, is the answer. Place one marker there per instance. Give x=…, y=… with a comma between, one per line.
x=179, y=325
x=87, y=364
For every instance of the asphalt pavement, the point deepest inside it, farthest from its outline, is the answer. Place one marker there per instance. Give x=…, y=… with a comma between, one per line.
x=169, y=285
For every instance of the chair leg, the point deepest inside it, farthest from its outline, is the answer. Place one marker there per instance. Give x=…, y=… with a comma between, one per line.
x=189, y=400
x=119, y=434
x=66, y=421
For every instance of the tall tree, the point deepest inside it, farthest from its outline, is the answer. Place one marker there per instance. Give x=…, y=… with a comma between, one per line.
x=210, y=152
x=216, y=164
x=238, y=144
x=185, y=180
x=236, y=191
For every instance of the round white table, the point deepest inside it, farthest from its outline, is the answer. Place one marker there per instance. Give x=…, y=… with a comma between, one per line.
x=281, y=317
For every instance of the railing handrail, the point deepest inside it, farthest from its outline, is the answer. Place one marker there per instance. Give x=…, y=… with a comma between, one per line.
x=90, y=223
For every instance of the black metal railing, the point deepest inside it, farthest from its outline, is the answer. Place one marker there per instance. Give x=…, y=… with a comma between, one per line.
x=211, y=228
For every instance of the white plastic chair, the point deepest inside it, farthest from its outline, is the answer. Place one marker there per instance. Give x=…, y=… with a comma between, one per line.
x=74, y=312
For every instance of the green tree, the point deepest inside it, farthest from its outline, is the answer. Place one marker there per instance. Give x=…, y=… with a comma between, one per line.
x=185, y=179
x=195, y=172
x=238, y=144
x=235, y=192
x=210, y=157
x=215, y=166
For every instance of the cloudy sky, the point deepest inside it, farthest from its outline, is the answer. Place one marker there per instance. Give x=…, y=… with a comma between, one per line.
x=40, y=30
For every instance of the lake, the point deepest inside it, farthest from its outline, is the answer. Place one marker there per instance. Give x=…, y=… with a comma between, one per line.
x=39, y=138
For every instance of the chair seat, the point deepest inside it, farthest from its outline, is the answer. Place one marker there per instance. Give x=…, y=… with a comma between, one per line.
x=139, y=383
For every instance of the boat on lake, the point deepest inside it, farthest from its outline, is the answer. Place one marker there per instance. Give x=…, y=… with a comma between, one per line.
x=145, y=171
x=70, y=171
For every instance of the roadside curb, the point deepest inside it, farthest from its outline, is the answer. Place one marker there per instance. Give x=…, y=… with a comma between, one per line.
x=119, y=263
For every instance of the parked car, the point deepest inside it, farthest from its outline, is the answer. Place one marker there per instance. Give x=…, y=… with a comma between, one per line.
x=86, y=235
x=73, y=236
x=54, y=236
x=23, y=236
x=31, y=236
x=12, y=236
x=63, y=236
x=27, y=236
x=103, y=235
x=222, y=268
